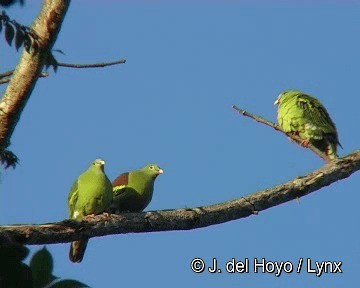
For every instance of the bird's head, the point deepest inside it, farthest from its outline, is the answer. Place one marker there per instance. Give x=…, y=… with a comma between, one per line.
x=153, y=170
x=98, y=163
x=287, y=94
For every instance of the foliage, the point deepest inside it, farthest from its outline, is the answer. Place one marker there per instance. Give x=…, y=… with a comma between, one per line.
x=15, y=273
x=8, y=158
x=21, y=35
x=8, y=3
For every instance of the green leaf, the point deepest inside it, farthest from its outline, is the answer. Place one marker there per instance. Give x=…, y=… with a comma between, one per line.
x=14, y=273
x=4, y=16
x=35, y=45
x=55, y=65
x=8, y=158
x=27, y=42
x=8, y=3
x=9, y=33
x=13, y=253
x=68, y=283
x=59, y=51
x=41, y=265
x=51, y=61
x=19, y=38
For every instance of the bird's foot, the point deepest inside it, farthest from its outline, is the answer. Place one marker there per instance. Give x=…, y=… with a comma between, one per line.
x=106, y=215
x=89, y=217
x=291, y=135
x=305, y=143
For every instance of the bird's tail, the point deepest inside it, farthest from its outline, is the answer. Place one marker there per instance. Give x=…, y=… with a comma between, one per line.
x=331, y=151
x=328, y=147
x=77, y=250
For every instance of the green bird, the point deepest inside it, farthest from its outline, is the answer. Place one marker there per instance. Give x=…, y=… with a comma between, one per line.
x=133, y=190
x=306, y=117
x=90, y=194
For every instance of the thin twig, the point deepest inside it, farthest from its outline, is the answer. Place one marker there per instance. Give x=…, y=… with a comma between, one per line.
x=69, y=65
x=297, y=139
x=95, y=65
x=6, y=80
x=6, y=74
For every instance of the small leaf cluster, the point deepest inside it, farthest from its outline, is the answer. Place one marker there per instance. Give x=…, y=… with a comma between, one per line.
x=21, y=35
x=18, y=34
x=8, y=158
x=39, y=274
x=8, y=3
x=13, y=272
x=51, y=61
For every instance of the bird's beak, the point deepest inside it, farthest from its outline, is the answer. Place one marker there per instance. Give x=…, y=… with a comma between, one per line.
x=102, y=162
x=276, y=102
x=160, y=171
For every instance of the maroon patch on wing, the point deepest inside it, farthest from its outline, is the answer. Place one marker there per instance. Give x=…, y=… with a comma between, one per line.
x=121, y=180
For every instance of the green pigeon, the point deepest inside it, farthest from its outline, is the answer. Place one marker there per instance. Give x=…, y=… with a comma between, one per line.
x=90, y=194
x=306, y=117
x=133, y=190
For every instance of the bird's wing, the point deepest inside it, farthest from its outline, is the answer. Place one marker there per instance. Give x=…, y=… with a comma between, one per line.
x=316, y=113
x=120, y=183
x=72, y=198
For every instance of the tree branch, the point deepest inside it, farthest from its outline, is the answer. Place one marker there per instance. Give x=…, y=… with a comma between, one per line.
x=292, y=136
x=6, y=74
x=6, y=80
x=46, y=27
x=183, y=219
x=95, y=65
x=69, y=65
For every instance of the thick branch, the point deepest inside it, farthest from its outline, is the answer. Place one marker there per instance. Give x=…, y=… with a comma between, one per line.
x=46, y=27
x=184, y=219
x=297, y=139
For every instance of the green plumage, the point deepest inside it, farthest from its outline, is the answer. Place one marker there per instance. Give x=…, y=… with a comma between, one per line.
x=306, y=117
x=133, y=190
x=90, y=194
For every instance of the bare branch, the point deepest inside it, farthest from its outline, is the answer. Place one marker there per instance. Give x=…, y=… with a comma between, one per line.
x=69, y=65
x=183, y=219
x=95, y=65
x=6, y=74
x=6, y=80
x=46, y=27
x=292, y=136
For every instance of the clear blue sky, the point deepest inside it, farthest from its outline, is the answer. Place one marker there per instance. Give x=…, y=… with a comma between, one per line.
x=171, y=104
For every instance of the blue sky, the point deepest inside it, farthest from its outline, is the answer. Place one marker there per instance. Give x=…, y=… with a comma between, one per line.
x=187, y=63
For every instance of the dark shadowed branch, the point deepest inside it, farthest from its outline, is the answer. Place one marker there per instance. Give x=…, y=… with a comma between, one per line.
x=184, y=219
x=94, y=65
x=293, y=137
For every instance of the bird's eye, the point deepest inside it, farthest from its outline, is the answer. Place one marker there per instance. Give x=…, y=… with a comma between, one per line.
x=151, y=167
